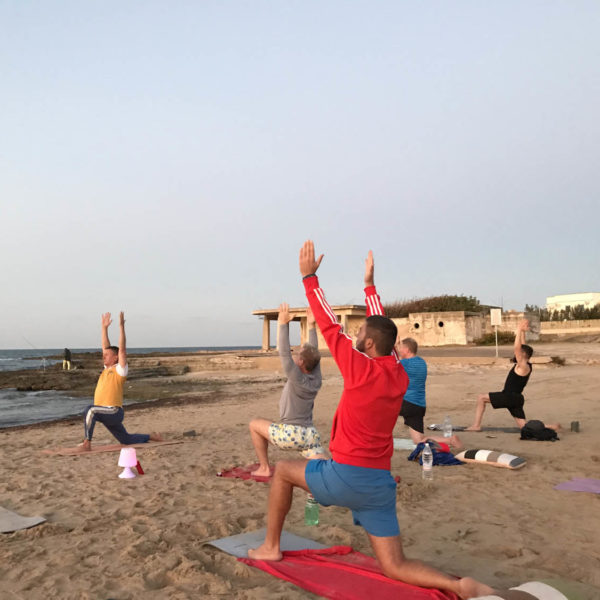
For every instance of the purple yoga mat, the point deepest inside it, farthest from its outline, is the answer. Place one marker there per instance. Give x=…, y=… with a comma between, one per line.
x=580, y=485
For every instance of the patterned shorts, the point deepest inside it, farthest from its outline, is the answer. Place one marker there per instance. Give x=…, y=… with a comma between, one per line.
x=294, y=437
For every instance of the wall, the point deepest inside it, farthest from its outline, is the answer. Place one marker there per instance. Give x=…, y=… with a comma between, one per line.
x=459, y=328
x=510, y=320
x=475, y=326
x=587, y=299
x=438, y=328
x=353, y=324
x=423, y=327
x=570, y=327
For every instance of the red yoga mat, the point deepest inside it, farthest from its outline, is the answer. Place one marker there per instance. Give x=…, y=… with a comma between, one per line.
x=340, y=573
x=244, y=473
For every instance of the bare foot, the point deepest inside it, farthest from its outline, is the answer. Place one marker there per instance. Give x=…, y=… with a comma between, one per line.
x=455, y=442
x=156, y=437
x=262, y=472
x=470, y=588
x=473, y=428
x=264, y=553
x=85, y=446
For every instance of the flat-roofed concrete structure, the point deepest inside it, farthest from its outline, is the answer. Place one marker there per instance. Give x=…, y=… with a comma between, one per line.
x=345, y=313
x=448, y=328
x=585, y=299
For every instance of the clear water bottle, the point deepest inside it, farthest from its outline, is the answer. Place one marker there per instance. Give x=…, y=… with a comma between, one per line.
x=447, y=427
x=427, y=456
x=311, y=511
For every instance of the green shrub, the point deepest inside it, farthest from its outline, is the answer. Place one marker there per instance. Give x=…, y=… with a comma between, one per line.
x=489, y=339
x=433, y=304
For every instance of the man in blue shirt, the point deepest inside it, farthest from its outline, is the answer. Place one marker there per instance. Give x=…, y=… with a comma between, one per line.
x=413, y=407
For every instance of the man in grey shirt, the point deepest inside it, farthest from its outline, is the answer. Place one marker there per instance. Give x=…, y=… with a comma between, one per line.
x=294, y=430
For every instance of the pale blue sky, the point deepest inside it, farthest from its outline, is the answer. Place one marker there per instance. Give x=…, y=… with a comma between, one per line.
x=169, y=159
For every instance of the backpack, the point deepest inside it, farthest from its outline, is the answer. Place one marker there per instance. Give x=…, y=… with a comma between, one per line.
x=536, y=430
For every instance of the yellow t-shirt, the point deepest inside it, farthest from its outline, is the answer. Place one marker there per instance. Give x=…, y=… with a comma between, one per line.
x=109, y=389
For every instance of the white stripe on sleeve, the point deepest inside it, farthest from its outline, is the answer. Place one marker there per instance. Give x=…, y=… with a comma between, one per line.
x=321, y=297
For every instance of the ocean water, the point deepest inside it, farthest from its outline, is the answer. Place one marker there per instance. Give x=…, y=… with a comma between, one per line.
x=23, y=408
x=15, y=360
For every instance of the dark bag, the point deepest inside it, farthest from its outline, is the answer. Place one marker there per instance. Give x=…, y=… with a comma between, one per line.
x=536, y=430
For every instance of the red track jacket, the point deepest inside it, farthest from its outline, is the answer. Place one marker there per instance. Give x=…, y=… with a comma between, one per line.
x=361, y=434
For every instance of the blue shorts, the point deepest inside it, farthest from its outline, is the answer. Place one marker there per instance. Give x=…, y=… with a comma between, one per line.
x=369, y=493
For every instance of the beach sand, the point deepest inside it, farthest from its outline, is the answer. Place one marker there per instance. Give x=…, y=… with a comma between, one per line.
x=145, y=538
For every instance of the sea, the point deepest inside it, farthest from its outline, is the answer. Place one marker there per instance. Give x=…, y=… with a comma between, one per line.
x=24, y=408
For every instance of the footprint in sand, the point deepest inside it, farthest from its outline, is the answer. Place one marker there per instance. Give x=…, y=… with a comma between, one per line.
x=157, y=580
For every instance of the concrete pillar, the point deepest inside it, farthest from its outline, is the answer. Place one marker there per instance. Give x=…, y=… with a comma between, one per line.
x=344, y=323
x=266, y=341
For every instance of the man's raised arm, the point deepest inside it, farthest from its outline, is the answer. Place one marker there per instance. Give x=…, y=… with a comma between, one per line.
x=106, y=321
x=372, y=300
x=311, y=325
x=347, y=358
x=122, y=342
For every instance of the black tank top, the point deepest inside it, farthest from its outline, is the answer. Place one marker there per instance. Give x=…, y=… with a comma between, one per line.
x=516, y=383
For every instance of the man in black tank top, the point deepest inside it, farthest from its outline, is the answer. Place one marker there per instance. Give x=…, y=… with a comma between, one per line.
x=511, y=397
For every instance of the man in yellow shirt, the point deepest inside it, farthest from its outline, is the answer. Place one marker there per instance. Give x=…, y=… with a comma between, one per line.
x=108, y=397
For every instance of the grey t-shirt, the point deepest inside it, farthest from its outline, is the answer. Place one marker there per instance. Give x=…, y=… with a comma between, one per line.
x=298, y=396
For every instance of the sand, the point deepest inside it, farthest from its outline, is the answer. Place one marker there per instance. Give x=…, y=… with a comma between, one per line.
x=144, y=538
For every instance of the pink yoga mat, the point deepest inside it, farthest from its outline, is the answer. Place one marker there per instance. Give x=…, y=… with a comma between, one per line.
x=580, y=485
x=243, y=473
x=340, y=573
x=76, y=451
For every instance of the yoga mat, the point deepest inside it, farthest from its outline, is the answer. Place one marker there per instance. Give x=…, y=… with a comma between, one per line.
x=238, y=545
x=340, y=573
x=580, y=485
x=244, y=473
x=532, y=590
x=435, y=427
x=76, y=451
x=11, y=521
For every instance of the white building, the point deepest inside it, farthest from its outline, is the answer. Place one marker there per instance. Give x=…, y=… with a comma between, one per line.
x=586, y=299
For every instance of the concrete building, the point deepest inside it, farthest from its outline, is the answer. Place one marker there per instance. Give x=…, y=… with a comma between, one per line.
x=585, y=299
x=428, y=329
x=347, y=314
x=441, y=328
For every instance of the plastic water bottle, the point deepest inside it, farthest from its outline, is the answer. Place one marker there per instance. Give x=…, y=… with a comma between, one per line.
x=447, y=427
x=311, y=511
x=427, y=456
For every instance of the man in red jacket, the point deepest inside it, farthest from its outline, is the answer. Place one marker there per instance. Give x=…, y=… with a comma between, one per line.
x=358, y=476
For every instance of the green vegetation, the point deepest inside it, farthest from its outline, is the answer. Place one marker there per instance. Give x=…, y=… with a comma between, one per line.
x=434, y=304
x=489, y=339
x=570, y=313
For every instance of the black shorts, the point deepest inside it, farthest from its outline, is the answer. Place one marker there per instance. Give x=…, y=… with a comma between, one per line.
x=510, y=400
x=413, y=415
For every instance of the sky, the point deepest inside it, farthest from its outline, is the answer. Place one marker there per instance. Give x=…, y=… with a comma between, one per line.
x=169, y=159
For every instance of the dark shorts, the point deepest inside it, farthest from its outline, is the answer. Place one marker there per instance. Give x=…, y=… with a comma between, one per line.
x=413, y=415
x=369, y=493
x=510, y=400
